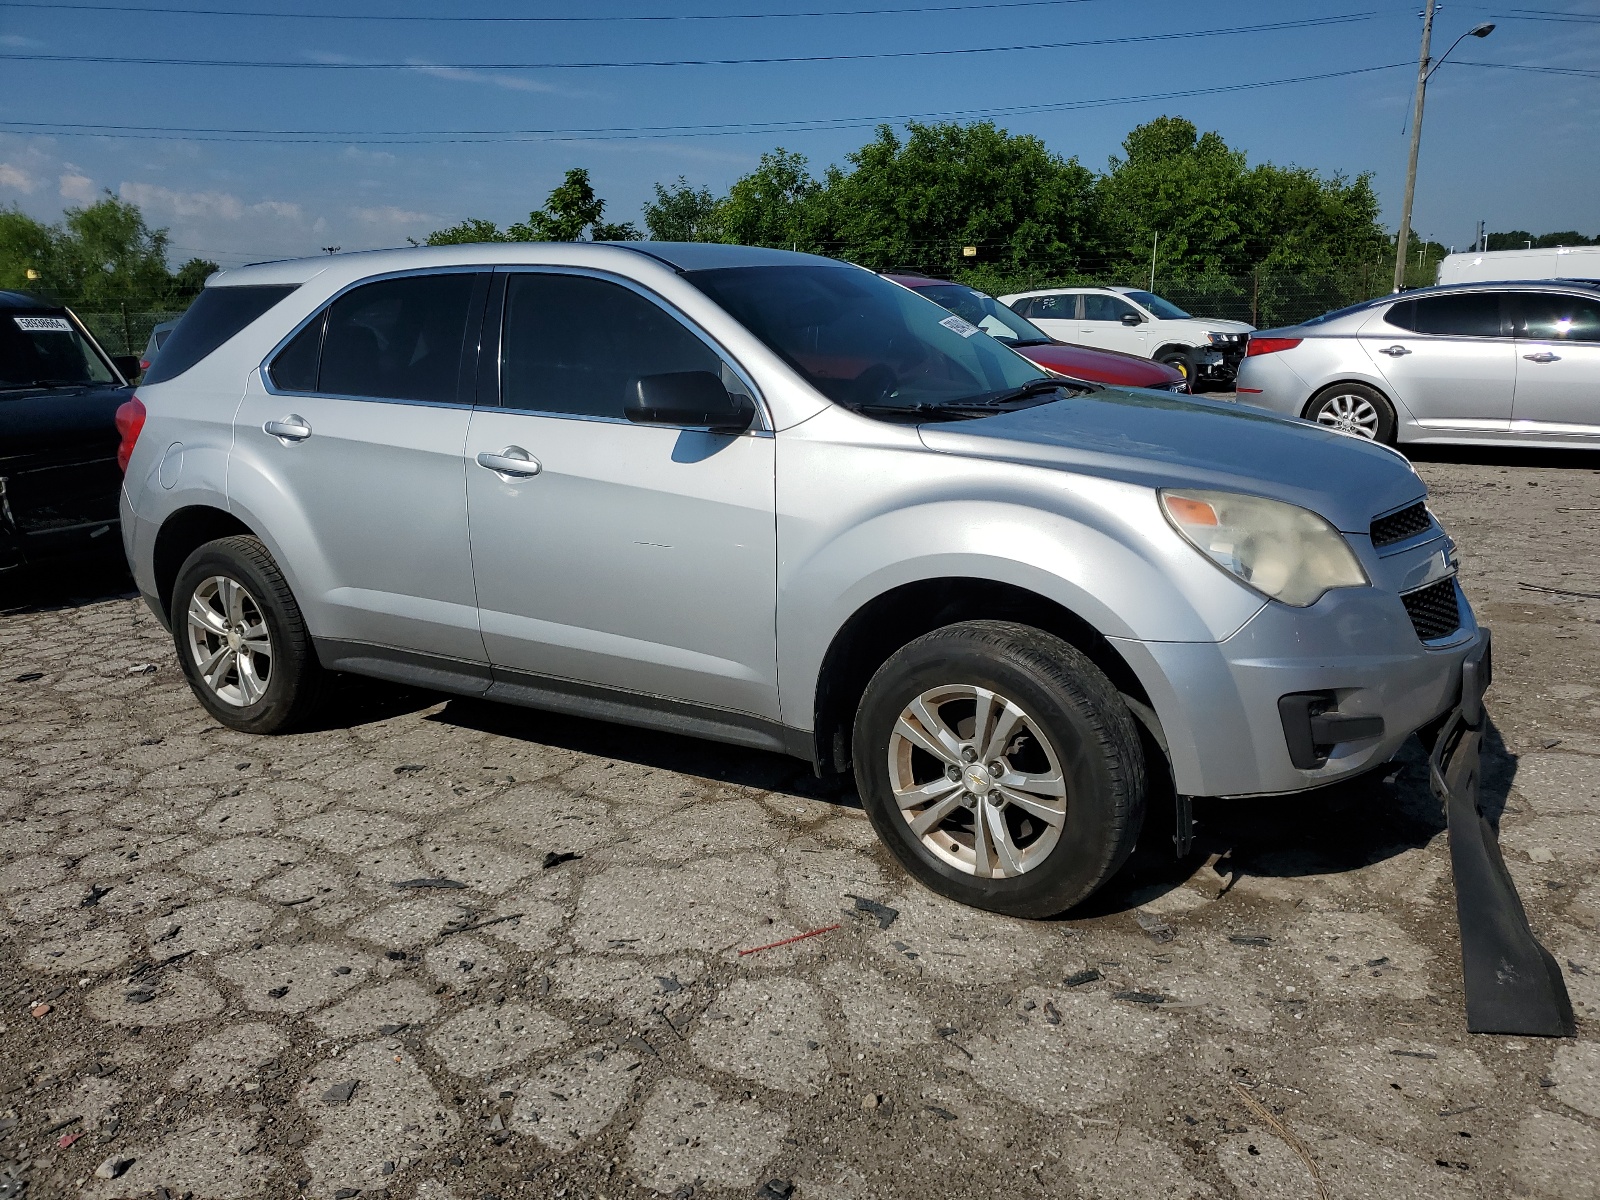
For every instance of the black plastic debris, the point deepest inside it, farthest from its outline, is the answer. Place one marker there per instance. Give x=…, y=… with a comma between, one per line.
x=408, y=768
x=1511, y=982
x=1082, y=977
x=1249, y=939
x=775, y=1189
x=96, y=894
x=1052, y=1014
x=669, y=984
x=29, y=676
x=391, y=1030
x=427, y=883
x=1140, y=997
x=882, y=913
x=278, y=993
x=944, y=1114
x=340, y=1093
x=1429, y=1054
x=639, y=1046
x=554, y=859
x=141, y=996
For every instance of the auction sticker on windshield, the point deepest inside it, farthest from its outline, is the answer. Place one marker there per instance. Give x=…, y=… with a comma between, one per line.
x=43, y=324
x=956, y=325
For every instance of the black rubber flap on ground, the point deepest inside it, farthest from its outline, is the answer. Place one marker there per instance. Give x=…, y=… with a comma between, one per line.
x=1513, y=985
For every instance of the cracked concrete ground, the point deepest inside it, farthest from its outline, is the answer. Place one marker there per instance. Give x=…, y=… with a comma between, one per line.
x=228, y=967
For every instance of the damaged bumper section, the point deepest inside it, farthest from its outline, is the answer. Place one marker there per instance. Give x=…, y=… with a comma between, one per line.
x=1513, y=984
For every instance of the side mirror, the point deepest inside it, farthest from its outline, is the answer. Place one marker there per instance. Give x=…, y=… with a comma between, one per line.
x=128, y=365
x=696, y=399
x=1132, y=319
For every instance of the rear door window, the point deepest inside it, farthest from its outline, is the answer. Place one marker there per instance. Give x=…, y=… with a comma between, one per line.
x=216, y=315
x=1470, y=314
x=1052, y=308
x=395, y=339
x=1547, y=317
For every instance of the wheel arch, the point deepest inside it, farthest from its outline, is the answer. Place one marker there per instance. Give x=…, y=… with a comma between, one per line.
x=894, y=618
x=1173, y=348
x=1323, y=389
x=181, y=534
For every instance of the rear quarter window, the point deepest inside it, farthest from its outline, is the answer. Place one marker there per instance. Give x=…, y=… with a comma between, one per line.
x=215, y=316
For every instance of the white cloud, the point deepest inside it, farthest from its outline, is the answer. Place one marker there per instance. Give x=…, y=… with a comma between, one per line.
x=389, y=215
x=17, y=178
x=77, y=187
x=17, y=41
x=514, y=83
x=222, y=206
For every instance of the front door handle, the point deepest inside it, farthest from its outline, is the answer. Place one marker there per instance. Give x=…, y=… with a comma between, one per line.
x=292, y=428
x=1394, y=351
x=1543, y=356
x=513, y=463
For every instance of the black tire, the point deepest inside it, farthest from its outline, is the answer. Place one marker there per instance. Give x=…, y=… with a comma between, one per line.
x=293, y=678
x=1179, y=361
x=1325, y=403
x=1072, y=705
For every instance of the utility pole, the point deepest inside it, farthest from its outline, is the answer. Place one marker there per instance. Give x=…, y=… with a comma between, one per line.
x=1155, y=240
x=1416, y=144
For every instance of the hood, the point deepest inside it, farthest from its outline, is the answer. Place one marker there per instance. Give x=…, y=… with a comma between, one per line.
x=1102, y=366
x=1155, y=440
x=1217, y=325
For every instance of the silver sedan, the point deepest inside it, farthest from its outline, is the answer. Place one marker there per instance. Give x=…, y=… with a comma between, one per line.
x=1501, y=363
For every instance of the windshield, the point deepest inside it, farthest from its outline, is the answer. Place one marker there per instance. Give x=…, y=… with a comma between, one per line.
x=987, y=313
x=46, y=349
x=1344, y=312
x=866, y=343
x=1165, y=310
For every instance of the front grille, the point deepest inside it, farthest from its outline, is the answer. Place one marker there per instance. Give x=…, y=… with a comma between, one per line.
x=1397, y=527
x=1433, y=610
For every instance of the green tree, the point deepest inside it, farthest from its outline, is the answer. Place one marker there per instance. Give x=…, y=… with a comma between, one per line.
x=191, y=277
x=571, y=210
x=777, y=204
x=920, y=201
x=29, y=253
x=1520, y=239
x=110, y=257
x=681, y=213
x=473, y=229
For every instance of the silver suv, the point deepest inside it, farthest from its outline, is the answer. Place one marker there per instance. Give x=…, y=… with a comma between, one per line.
x=776, y=500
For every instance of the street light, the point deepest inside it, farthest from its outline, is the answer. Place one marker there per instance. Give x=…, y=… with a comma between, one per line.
x=1425, y=69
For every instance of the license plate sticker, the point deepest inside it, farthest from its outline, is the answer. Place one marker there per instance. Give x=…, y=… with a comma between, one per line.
x=957, y=324
x=43, y=324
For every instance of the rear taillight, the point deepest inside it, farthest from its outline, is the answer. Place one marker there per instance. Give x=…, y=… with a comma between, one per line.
x=130, y=420
x=1270, y=345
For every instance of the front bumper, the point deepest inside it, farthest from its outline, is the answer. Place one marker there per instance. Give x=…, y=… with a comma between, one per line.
x=1218, y=702
x=1512, y=984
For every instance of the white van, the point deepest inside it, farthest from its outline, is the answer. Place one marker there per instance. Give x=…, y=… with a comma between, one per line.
x=1548, y=262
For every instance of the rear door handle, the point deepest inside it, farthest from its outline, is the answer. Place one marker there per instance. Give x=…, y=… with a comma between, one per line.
x=292, y=428
x=1543, y=356
x=1394, y=351
x=513, y=462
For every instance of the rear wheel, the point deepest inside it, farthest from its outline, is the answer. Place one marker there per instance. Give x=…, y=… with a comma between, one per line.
x=1001, y=767
x=1356, y=409
x=242, y=640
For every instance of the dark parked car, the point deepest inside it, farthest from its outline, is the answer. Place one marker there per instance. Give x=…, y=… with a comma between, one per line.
x=1034, y=344
x=59, y=395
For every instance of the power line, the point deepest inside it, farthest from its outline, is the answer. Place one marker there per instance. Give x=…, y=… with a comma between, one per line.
x=284, y=64
x=541, y=20
x=1578, y=71
x=635, y=132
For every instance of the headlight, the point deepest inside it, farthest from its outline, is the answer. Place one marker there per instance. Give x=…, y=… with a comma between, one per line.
x=1282, y=551
x=1223, y=339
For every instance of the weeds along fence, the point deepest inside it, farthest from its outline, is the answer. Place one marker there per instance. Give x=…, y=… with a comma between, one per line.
x=124, y=332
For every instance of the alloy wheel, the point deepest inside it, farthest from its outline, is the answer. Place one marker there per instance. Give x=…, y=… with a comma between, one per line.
x=229, y=642
x=1350, y=414
x=977, y=781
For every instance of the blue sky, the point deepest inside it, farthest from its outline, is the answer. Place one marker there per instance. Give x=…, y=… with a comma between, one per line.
x=1516, y=148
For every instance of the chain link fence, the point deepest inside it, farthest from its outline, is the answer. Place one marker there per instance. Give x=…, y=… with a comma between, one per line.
x=124, y=332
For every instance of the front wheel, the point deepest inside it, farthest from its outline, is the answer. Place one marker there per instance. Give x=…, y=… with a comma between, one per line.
x=1001, y=767
x=1178, y=361
x=242, y=640
x=1356, y=409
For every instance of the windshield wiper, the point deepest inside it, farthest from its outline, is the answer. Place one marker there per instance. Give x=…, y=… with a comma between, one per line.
x=1037, y=387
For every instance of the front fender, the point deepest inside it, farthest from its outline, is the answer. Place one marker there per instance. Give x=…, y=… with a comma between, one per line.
x=856, y=521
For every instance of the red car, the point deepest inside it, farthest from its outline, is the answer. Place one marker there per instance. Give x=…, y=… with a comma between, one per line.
x=1034, y=344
